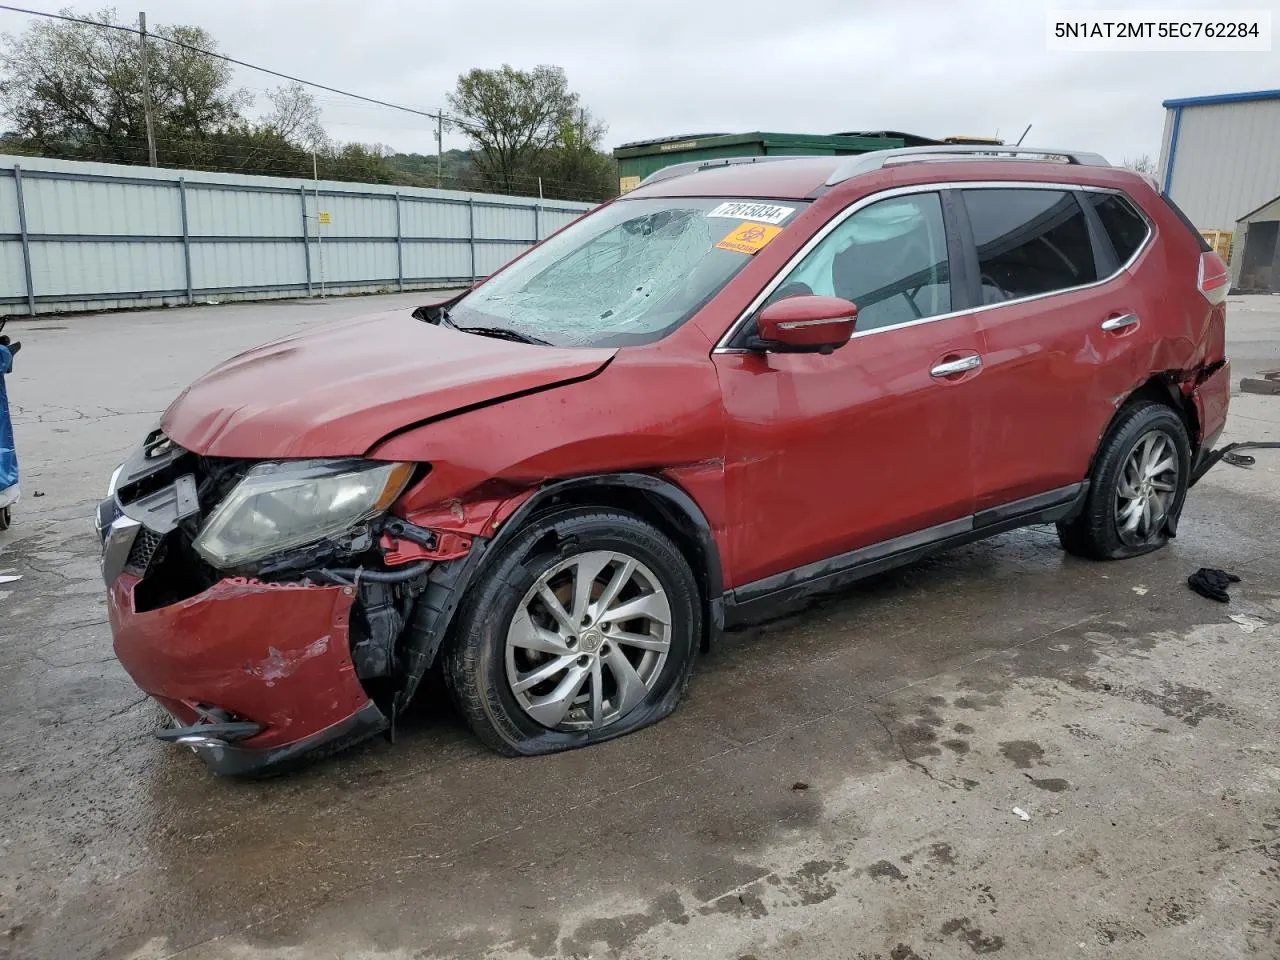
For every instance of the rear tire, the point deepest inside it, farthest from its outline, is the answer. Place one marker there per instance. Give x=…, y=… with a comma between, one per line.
x=581, y=629
x=5, y=518
x=1138, y=483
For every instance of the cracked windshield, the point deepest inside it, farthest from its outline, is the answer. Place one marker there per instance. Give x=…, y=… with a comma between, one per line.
x=630, y=274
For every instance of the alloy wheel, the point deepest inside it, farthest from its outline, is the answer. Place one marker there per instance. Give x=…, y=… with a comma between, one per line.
x=1146, y=488
x=588, y=641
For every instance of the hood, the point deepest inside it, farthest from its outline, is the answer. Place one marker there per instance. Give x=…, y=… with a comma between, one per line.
x=339, y=389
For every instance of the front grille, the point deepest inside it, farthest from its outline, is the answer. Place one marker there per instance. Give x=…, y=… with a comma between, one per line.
x=145, y=545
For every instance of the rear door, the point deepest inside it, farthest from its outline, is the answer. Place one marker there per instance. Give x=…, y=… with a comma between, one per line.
x=826, y=454
x=1058, y=314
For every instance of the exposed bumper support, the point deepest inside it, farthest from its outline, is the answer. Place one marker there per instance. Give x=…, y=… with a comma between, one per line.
x=1229, y=455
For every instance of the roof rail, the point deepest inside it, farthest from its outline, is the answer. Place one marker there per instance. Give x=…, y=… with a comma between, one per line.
x=693, y=166
x=878, y=159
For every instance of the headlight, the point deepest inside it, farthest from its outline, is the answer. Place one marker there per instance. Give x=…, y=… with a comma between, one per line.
x=278, y=506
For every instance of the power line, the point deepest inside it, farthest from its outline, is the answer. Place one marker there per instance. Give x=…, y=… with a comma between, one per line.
x=241, y=63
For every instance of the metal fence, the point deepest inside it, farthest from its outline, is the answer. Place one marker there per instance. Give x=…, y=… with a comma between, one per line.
x=92, y=236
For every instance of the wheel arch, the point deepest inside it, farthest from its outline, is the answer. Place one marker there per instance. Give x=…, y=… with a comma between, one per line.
x=1159, y=388
x=1162, y=389
x=653, y=499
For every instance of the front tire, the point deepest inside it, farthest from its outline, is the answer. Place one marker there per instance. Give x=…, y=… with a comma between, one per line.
x=581, y=629
x=1138, y=483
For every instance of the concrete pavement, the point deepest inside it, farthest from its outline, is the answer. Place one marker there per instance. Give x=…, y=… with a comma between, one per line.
x=839, y=784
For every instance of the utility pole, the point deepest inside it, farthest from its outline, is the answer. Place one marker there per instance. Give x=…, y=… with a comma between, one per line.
x=315, y=174
x=146, y=87
x=439, y=149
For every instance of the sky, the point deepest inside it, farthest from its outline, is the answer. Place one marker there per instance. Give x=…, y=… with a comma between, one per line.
x=653, y=68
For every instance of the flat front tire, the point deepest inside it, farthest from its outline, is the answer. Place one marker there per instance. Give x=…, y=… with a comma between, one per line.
x=581, y=629
x=1138, y=483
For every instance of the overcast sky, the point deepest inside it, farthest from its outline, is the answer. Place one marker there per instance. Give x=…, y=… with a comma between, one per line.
x=654, y=68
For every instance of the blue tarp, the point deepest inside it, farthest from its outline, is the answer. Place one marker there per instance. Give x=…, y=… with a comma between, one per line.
x=8, y=455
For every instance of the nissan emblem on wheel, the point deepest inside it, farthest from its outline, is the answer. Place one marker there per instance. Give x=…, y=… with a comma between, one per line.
x=735, y=387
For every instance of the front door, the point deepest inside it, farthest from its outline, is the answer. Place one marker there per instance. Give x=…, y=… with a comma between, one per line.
x=826, y=454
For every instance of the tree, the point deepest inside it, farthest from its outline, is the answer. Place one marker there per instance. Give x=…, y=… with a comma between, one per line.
x=574, y=167
x=366, y=163
x=511, y=116
x=75, y=89
x=1143, y=164
x=295, y=118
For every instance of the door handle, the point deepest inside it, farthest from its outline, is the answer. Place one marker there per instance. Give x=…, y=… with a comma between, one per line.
x=952, y=367
x=1120, y=322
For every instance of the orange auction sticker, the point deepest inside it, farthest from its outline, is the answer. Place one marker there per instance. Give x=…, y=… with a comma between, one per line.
x=748, y=237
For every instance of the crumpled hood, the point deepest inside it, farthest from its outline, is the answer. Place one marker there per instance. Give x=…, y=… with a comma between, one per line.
x=339, y=389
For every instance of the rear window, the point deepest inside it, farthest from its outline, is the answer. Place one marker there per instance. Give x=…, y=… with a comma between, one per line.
x=1124, y=225
x=1029, y=242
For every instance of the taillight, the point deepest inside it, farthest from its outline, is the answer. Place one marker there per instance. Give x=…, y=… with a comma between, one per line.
x=1213, y=280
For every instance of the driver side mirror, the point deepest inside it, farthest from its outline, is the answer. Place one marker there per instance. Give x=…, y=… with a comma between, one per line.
x=807, y=324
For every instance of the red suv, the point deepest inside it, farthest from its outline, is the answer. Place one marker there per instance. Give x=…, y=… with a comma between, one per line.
x=743, y=383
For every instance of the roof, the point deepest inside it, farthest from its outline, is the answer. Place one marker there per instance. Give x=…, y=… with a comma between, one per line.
x=908, y=139
x=676, y=139
x=1217, y=98
x=1261, y=206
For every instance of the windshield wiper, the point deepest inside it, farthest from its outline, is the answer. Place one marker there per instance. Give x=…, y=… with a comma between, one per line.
x=504, y=333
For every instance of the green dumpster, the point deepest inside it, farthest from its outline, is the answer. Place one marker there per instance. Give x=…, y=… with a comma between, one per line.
x=637, y=160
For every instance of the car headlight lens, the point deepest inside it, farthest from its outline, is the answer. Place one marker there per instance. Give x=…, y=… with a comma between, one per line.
x=278, y=506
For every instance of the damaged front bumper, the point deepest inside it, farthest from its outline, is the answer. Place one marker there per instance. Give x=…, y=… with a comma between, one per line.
x=274, y=655
x=263, y=667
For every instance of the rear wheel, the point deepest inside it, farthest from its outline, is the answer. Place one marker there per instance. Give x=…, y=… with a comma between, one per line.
x=5, y=518
x=581, y=630
x=1138, y=483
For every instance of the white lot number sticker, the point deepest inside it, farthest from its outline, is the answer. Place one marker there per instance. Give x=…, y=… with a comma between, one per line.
x=746, y=210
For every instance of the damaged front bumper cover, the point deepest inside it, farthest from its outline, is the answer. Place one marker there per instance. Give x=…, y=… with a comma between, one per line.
x=258, y=671
x=271, y=663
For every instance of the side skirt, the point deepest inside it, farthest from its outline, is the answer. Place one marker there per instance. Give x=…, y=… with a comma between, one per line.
x=760, y=599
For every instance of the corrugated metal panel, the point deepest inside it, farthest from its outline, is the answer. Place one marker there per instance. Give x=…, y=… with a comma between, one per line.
x=68, y=206
x=437, y=260
x=553, y=220
x=354, y=262
x=96, y=268
x=132, y=204
x=12, y=281
x=424, y=219
x=9, y=205
x=246, y=264
x=1227, y=161
x=233, y=213
x=491, y=256
x=501, y=223
x=358, y=216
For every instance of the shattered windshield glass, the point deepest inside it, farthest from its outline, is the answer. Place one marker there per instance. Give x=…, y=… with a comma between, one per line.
x=628, y=274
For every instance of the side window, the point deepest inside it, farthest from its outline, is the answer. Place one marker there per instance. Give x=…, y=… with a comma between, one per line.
x=1123, y=224
x=1029, y=242
x=889, y=258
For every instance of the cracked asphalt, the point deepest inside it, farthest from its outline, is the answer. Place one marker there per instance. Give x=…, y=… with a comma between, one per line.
x=841, y=783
